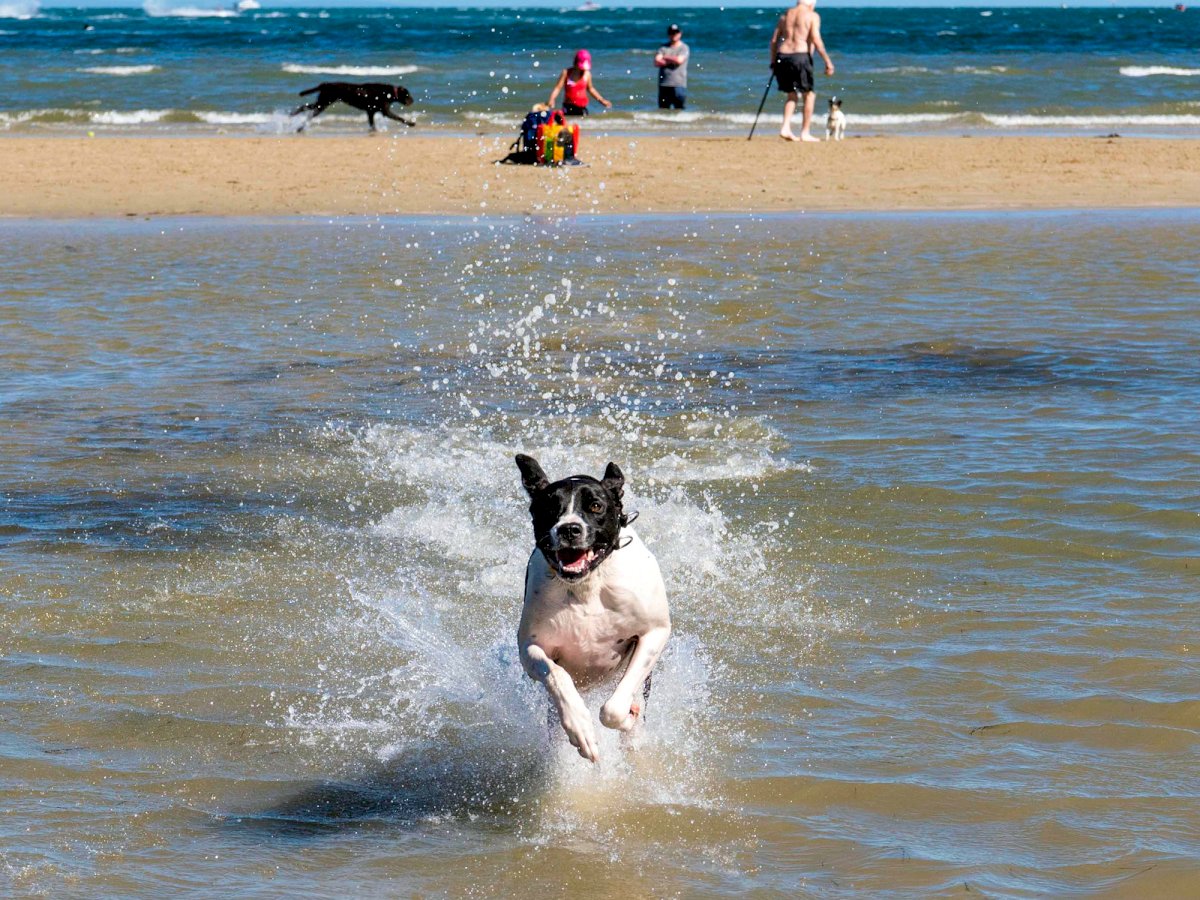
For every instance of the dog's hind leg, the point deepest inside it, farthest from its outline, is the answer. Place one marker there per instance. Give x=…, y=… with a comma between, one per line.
x=317, y=107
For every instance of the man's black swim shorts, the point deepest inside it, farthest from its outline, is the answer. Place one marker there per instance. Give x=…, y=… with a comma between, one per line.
x=794, y=72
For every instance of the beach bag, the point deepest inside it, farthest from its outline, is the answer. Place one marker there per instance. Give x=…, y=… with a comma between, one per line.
x=557, y=142
x=524, y=149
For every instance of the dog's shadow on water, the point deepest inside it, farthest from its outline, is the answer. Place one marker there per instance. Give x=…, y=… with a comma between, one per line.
x=421, y=785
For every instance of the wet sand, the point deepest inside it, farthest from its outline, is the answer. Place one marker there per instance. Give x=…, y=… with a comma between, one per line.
x=412, y=174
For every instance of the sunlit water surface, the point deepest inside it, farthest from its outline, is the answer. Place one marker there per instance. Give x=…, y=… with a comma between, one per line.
x=924, y=489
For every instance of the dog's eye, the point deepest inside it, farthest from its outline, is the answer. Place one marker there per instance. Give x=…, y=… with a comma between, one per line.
x=595, y=507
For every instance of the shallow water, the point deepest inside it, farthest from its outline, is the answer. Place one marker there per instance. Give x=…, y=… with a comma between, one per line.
x=923, y=487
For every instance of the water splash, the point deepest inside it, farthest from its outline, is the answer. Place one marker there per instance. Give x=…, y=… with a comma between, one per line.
x=20, y=9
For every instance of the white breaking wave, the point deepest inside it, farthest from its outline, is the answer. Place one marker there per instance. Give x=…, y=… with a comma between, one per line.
x=136, y=117
x=899, y=118
x=1146, y=71
x=228, y=118
x=120, y=70
x=357, y=71
x=979, y=70
x=20, y=9
x=672, y=119
x=158, y=8
x=1088, y=121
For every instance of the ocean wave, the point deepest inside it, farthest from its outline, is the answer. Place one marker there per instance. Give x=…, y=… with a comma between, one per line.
x=1146, y=71
x=133, y=117
x=355, y=71
x=1103, y=121
x=673, y=119
x=277, y=121
x=980, y=70
x=233, y=118
x=900, y=70
x=120, y=70
x=159, y=9
x=19, y=9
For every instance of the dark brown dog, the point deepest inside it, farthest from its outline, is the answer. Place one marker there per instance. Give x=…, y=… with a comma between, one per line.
x=371, y=98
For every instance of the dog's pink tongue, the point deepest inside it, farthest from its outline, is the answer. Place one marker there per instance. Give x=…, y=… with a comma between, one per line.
x=574, y=560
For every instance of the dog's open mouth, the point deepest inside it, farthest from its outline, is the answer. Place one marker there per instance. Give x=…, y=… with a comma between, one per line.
x=574, y=560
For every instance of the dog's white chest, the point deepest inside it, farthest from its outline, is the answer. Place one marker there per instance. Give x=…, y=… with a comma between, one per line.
x=589, y=627
x=587, y=639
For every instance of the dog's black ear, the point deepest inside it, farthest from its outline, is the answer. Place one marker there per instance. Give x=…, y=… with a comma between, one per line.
x=613, y=479
x=532, y=476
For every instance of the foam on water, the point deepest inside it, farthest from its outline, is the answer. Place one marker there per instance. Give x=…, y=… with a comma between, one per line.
x=162, y=8
x=448, y=605
x=353, y=71
x=121, y=70
x=19, y=9
x=1147, y=71
x=133, y=117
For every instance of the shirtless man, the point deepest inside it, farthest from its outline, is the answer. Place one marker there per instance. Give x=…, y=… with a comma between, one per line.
x=797, y=35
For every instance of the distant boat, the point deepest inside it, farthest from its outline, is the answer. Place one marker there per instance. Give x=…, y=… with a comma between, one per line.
x=246, y=5
x=1179, y=7
x=588, y=6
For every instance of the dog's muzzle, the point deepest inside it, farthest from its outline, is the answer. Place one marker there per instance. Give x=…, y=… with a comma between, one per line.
x=574, y=562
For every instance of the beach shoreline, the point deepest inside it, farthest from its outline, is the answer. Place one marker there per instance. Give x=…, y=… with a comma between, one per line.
x=412, y=174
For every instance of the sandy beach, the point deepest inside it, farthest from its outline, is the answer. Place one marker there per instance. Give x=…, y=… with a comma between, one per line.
x=412, y=174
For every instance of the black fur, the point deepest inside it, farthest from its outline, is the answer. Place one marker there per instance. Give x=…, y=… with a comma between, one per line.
x=597, y=503
x=371, y=98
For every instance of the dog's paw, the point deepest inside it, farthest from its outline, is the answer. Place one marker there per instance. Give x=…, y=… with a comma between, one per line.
x=578, y=726
x=620, y=713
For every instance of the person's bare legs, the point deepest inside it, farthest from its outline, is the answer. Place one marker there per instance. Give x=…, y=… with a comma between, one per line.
x=810, y=104
x=789, y=110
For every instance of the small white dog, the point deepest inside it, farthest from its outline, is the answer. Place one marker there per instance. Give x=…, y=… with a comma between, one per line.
x=835, y=125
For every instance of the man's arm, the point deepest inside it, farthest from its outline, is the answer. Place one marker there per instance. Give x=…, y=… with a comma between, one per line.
x=816, y=44
x=775, y=36
x=671, y=61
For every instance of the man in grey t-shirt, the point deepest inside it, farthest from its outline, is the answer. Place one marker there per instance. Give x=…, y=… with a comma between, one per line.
x=672, y=61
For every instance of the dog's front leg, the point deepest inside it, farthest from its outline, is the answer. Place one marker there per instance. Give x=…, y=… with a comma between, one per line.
x=575, y=718
x=622, y=709
x=395, y=118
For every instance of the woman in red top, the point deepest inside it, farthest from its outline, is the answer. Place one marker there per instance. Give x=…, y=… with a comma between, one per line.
x=576, y=84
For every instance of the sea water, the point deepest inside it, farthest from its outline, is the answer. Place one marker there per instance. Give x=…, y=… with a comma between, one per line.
x=923, y=489
x=194, y=67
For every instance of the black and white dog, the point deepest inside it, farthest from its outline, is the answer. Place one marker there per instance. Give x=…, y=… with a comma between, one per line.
x=594, y=601
x=835, y=125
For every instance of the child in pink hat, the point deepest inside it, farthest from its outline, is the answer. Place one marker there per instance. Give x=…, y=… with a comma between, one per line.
x=575, y=83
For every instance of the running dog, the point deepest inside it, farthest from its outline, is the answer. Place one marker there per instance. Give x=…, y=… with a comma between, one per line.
x=835, y=125
x=371, y=98
x=594, y=602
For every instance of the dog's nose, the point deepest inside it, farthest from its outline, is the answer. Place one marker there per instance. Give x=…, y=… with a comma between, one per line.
x=570, y=531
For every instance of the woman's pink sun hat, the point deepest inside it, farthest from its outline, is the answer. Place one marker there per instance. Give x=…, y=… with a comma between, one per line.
x=583, y=60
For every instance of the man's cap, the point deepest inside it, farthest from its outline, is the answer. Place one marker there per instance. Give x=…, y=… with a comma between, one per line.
x=583, y=60
x=674, y=29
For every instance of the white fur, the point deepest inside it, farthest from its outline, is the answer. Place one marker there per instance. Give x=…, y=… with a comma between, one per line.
x=835, y=125
x=572, y=517
x=575, y=634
